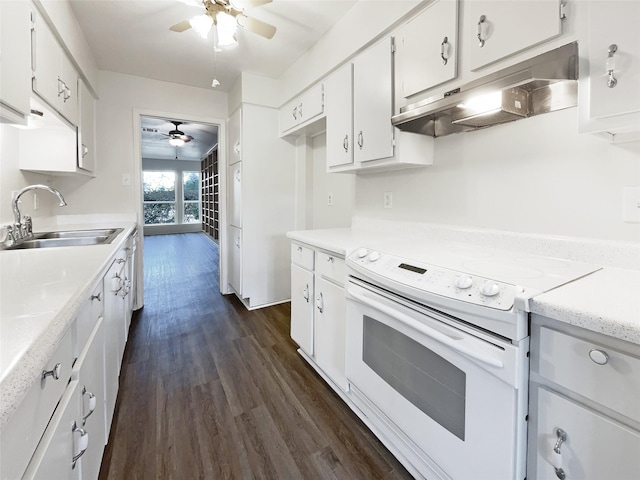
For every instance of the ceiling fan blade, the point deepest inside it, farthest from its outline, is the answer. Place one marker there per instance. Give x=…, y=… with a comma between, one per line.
x=256, y=26
x=192, y=3
x=181, y=27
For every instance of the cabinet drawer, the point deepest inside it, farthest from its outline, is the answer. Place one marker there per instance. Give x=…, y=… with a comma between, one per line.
x=21, y=434
x=302, y=256
x=91, y=311
x=566, y=360
x=330, y=266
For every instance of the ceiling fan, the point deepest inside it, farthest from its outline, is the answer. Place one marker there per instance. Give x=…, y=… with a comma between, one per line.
x=177, y=137
x=220, y=12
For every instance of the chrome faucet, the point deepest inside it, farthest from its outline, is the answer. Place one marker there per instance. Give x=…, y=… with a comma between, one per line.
x=22, y=229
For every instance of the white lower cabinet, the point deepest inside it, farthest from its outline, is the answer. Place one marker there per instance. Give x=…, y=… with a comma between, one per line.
x=318, y=310
x=583, y=411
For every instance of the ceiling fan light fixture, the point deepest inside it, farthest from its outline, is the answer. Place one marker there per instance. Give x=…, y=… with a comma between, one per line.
x=201, y=24
x=226, y=27
x=215, y=83
x=176, y=141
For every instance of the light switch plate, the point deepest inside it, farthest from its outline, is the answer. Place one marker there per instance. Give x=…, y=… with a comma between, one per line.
x=631, y=204
x=388, y=200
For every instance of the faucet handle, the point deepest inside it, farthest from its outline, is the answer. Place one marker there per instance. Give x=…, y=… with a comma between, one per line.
x=27, y=227
x=8, y=238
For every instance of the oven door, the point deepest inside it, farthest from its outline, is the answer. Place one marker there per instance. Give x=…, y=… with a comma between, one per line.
x=459, y=397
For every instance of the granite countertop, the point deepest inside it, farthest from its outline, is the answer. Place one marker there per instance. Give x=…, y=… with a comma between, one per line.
x=606, y=301
x=40, y=293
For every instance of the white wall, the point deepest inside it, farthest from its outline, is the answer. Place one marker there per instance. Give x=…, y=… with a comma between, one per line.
x=120, y=96
x=340, y=186
x=536, y=175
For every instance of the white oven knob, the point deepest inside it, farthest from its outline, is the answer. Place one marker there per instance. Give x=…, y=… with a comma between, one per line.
x=362, y=253
x=374, y=256
x=489, y=289
x=464, y=281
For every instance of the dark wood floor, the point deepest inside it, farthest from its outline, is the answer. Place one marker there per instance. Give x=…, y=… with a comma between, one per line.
x=210, y=390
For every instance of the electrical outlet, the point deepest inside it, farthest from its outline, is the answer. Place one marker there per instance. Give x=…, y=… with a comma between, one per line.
x=631, y=204
x=388, y=200
x=330, y=199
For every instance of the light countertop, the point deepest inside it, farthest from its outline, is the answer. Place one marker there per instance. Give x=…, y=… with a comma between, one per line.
x=41, y=290
x=606, y=301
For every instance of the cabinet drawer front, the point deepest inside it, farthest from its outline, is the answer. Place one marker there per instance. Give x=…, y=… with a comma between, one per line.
x=566, y=361
x=91, y=311
x=21, y=434
x=595, y=447
x=330, y=266
x=302, y=256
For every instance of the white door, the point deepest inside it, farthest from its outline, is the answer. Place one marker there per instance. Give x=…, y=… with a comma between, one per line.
x=234, y=185
x=329, y=330
x=339, y=102
x=595, y=447
x=373, y=103
x=302, y=301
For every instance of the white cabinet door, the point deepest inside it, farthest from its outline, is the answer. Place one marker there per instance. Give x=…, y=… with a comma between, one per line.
x=235, y=259
x=311, y=103
x=614, y=23
x=426, y=49
x=15, y=61
x=288, y=116
x=329, y=330
x=69, y=105
x=53, y=457
x=373, y=103
x=91, y=379
x=495, y=29
x=234, y=186
x=235, y=138
x=302, y=306
x=339, y=103
x=595, y=447
x=86, y=133
x=113, y=319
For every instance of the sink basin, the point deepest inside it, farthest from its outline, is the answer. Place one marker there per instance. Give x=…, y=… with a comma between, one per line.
x=71, y=238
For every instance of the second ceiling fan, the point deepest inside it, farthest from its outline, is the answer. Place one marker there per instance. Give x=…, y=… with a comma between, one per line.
x=219, y=12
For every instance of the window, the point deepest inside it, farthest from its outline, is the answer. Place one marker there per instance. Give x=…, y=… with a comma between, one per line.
x=191, y=196
x=159, y=197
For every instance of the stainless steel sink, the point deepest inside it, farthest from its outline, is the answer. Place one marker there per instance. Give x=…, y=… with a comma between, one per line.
x=71, y=238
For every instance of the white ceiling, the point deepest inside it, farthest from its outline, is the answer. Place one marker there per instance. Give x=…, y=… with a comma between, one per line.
x=133, y=37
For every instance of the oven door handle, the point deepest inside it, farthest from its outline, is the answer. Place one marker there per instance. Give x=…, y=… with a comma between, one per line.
x=428, y=331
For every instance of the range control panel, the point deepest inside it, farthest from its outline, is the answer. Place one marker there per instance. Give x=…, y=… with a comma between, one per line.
x=432, y=279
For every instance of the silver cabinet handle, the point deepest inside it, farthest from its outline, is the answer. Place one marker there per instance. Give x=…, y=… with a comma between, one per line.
x=330, y=259
x=54, y=372
x=599, y=356
x=82, y=444
x=299, y=248
x=305, y=293
x=360, y=139
x=96, y=297
x=561, y=437
x=300, y=110
x=320, y=303
x=85, y=150
x=236, y=148
x=92, y=404
x=345, y=143
x=61, y=86
x=481, y=21
x=294, y=112
x=611, y=65
x=444, y=49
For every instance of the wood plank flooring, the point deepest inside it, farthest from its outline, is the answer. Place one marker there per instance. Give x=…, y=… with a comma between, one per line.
x=209, y=390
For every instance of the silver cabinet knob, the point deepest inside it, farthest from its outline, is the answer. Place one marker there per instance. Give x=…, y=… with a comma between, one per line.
x=599, y=356
x=54, y=372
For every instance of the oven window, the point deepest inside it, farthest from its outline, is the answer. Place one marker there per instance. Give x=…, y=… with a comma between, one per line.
x=428, y=381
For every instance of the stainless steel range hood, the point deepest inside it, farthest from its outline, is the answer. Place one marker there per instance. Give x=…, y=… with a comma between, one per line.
x=541, y=84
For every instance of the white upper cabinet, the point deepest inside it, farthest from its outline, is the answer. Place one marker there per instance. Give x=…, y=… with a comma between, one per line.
x=55, y=79
x=302, y=110
x=15, y=61
x=610, y=102
x=495, y=29
x=234, y=185
x=373, y=103
x=339, y=101
x=426, y=49
x=86, y=132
